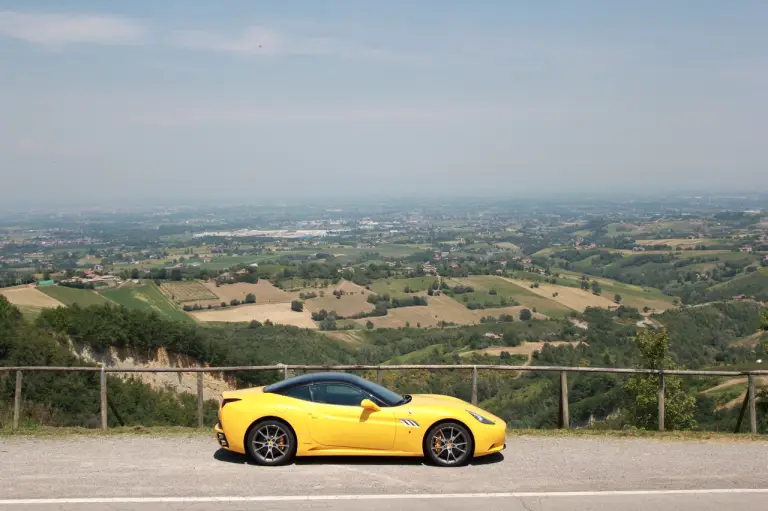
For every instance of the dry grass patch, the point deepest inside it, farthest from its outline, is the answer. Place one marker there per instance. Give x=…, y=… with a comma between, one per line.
x=279, y=313
x=347, y=336
x=29, y=297
x=264, y=290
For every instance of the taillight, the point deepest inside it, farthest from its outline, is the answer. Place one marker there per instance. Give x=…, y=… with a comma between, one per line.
x=230, y=400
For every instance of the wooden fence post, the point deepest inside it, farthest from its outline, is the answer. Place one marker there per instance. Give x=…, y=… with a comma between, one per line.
x=661, y=400
x=565, y=419
x=474, y=385
x=103, y=400
x=378, y=375
x=17, y=402
x=200, y=411
x=285, y=372
x=752, y=405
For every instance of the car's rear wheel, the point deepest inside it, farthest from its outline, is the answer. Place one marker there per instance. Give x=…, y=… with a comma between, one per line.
x=271, y=443
x=449, y=444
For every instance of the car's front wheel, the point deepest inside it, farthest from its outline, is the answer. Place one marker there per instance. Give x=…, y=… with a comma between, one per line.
x=271, y=443
x=449, y=444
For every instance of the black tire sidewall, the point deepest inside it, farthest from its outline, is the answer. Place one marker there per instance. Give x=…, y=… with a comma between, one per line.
x=433, y=457
x=291, y=440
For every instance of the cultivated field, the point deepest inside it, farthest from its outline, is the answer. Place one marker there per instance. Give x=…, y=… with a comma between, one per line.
x=264, y=290
x=512, y=290
x=279, y=313
x=70, y=296
x=526, y=348
x=674, y=242
x=353, y=301
x=29, y=297
x=396, y=287
x=508, y=246
x=573, y=298
x=146, y=297
x=187, y=291
x=439, y=308
x=634, y=296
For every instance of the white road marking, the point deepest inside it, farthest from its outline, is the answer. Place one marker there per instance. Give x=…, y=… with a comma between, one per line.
x=383, y=496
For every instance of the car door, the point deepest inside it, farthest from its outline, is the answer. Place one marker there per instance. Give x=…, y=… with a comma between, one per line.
x=338, y=420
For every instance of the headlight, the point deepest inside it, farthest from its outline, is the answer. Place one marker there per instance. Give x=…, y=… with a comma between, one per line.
x=480, y=418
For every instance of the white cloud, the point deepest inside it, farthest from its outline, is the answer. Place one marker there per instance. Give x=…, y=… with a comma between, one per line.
x=59, y=29
x=260, y=40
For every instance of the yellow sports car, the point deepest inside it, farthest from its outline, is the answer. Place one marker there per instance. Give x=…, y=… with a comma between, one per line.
x=339, y=414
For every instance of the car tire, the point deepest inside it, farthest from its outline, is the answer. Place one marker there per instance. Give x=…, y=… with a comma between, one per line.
x=449, y=444
x=271, y=443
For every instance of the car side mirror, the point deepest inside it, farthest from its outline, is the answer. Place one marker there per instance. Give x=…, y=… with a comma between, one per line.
x=367, y=404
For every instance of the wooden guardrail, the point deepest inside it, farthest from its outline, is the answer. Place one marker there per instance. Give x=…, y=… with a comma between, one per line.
x=750, y=399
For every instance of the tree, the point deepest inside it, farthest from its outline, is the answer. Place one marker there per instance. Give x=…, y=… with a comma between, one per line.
x=297, y=306
x=509, y=338
x=234, y=301
x=175, y=274
x=525, y=314
x=763, y=321
x=596, y=288
x=135, y=273
x=250, y=298
x=617, y=298
x=643, y=389
x=369, y=325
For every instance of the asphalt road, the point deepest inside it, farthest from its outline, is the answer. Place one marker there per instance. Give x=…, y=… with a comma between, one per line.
x=534, y=473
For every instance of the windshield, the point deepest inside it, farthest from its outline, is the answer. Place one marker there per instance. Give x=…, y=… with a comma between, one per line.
x=387, y=396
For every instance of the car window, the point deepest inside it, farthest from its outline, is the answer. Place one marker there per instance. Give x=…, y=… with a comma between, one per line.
x=303, y=393
x=338, y=394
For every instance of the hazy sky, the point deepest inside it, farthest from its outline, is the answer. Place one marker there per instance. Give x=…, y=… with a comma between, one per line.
x=229, y=98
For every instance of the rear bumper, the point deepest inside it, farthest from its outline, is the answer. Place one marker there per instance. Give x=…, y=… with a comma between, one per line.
x=221, y=438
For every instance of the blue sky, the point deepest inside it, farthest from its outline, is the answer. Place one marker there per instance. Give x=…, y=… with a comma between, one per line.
x=245, y=99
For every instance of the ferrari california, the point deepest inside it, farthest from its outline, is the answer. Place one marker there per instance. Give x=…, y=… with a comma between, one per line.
x=339, y=414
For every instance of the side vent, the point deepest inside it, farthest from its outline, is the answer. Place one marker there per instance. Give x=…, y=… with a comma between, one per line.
x=410, y=423
x=230, y=400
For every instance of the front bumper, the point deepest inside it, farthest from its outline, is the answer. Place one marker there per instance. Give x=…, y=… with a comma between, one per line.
x=490, y=439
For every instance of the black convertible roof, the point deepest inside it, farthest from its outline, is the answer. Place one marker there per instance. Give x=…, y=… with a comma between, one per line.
x=305, y=379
